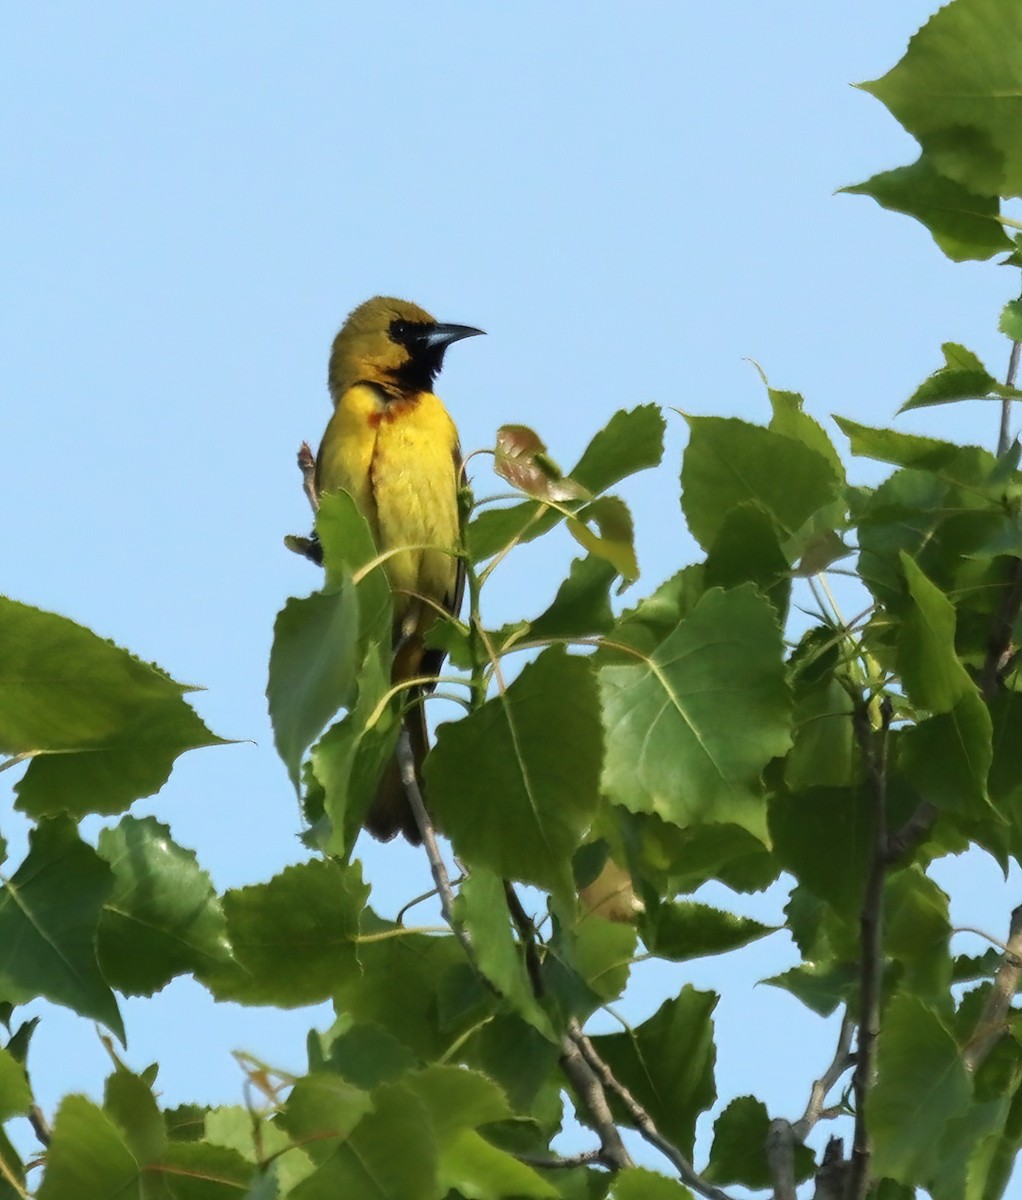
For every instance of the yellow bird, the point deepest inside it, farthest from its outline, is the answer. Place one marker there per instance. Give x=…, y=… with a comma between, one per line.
x=391, y=444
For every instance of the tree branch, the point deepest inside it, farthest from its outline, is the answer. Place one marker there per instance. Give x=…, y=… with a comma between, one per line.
x=406, y=763
x=589, y=1089
x=307, y=466
x=913, y=833
x=641, y=1119
x=39, y=1124
x=783, y=1135
x=873, y=748
x=990, y=1027
x=830, y=1178
x=999, y=644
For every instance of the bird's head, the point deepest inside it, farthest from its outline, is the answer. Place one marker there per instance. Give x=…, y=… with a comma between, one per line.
x=391, y=343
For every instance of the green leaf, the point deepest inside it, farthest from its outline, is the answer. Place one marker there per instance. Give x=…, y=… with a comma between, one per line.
x=365, y=1054
x=963, y=223
x=515, y=783
x=824, y=753
x=313, y=668
x=49, y=911
x=647, y=624
x=15, y=1094
x=687, y=858
x=350, y=758
x=348, y=549
x=481, y=907
x=667, y=1065
x=1010, y=323
x=968, y=465
x=631, y=442
x=946, y=758
x=457, y=1099
x=930, y=669
x=684, y=929
x=917, y=932
x=690, y=728
x=729, y=462
x=294, y=938
x=963, y=377
x=739, y=1147
x=823, y=837
x=128, y=1101
x=518, y=1058
x=581, y=607
x=790, y=419
x=474, y=1168
x=87, y=1158
x=410, y=1012
x=821, y=987
x=366, y=1164
x=747, y=549
x=614, y=539
x=163, y=917
x=104, y=727
x=199, y=1171
x=258, y=1141
x=12, y=1170
x=636, y=1183
x=321, y=1112
x=958, y=91
x=921, y=1085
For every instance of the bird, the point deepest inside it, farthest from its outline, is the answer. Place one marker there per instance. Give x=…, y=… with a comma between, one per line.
x=394, y=448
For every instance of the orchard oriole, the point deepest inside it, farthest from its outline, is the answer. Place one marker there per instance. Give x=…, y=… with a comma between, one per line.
x=391, y=444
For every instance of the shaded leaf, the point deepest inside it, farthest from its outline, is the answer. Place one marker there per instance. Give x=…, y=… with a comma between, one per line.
x=294, y=938
x=636, y=1183
x=515, y=783
x=963, y=223
x=921, y=1084
x=667, y=1064
x=15, y=1094
x=49, y=911
x=684, y=929
x=739, y=1147
x=932, y=674
x=481, y=907
x=581, y=607
x=479, y=1170
x=87, y=1158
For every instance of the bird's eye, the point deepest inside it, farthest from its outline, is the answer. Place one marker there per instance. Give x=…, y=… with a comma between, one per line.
x=399, y=329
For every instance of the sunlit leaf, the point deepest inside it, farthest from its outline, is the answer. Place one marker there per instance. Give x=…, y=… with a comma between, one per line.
x=690, y=728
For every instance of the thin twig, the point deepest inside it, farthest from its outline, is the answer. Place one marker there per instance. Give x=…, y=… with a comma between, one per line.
x=39, y=1124
x=527, y=931
x=873, y=748
x=406, y=763
x=1004, y=437
x=641, y=1119
x=555, y=1163
x=990, y=1027
x=842, y=1060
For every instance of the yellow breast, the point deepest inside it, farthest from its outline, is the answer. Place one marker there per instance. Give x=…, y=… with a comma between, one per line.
x=397, y=458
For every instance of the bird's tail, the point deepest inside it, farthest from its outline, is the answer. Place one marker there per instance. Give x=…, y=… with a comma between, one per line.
x=390, y=813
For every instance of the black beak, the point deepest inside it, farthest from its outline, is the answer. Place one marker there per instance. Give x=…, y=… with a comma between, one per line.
x=439, y=337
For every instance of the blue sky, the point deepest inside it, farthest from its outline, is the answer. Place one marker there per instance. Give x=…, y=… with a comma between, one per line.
x=631, y=199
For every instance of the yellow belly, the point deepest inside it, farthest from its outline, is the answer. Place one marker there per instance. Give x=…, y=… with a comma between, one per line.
x=397, y=459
